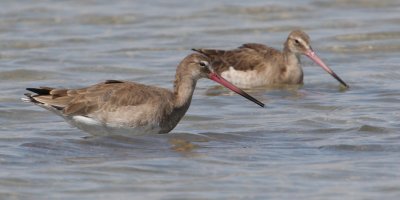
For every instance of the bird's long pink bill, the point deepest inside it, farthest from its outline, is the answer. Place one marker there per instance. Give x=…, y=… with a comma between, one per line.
x=311, y=54
x=215, y=77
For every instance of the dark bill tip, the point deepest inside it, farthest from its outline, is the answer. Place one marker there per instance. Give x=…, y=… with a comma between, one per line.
x=340, y=80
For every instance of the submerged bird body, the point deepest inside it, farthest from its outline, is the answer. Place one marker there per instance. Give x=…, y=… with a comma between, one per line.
x=119, y=107
x=253, y=65
x=111, y=106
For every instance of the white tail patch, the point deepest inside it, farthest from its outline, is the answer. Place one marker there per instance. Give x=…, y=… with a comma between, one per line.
x=27, y=100
x=98, y=128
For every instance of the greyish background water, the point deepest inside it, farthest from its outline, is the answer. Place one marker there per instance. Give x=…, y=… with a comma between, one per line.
x=316, y=141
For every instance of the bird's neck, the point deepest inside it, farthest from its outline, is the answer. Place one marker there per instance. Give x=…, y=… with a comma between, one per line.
x=182, y=96
x=293, y=71
x=292, y=60
x=183, y=90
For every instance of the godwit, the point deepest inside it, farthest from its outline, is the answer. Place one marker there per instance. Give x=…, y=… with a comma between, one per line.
x=120, y=107
x=253, y=65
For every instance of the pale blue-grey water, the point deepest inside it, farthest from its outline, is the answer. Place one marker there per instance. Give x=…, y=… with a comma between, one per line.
x=316, y=141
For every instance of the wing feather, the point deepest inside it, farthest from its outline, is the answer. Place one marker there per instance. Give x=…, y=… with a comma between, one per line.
x=247, y=57
x=107, y=96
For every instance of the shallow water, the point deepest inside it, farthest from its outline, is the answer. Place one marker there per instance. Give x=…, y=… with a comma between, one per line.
x=316, y=141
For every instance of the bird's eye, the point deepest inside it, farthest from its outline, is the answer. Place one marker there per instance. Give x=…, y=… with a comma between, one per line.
x=203, y=63
x=297, y=41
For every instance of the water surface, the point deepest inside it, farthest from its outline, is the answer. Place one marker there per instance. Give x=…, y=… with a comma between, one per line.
x=315, y=141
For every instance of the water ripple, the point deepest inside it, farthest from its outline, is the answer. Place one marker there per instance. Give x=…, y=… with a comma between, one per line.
x=315, y=135
x=362, y=148
x=26, y=75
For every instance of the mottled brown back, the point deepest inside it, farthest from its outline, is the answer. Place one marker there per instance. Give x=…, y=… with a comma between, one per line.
x=106, y=96
x=249, y=56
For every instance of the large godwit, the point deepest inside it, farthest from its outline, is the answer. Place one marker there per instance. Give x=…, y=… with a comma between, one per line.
x=120, y=107
x=253, y=65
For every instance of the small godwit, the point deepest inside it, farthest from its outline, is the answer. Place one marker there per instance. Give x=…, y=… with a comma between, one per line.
x=120, y=107
x=253, y=65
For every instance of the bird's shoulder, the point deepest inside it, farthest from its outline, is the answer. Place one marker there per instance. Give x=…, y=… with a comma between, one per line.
x=248, y=56
x=107, y=95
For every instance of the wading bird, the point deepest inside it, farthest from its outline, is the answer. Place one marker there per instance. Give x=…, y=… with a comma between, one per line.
x=254, y=65
x=128, y=108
